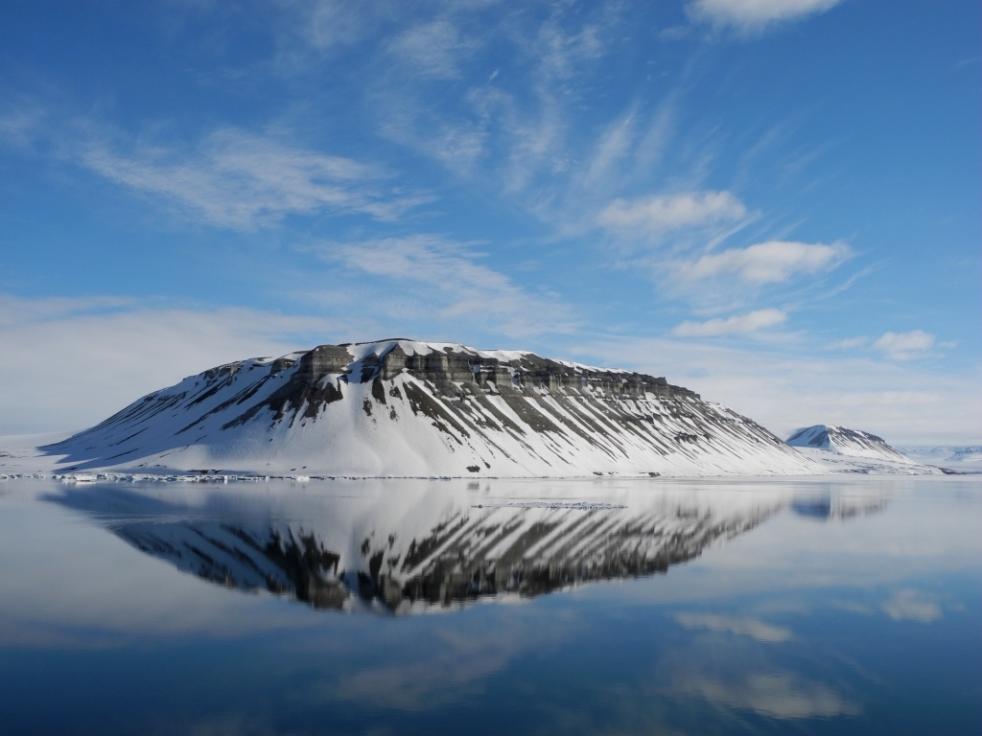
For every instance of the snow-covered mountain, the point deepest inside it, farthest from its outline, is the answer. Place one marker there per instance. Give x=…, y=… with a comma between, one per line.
x=842, y=450
x=404, y=408
x=843, y=441
x=958, y=458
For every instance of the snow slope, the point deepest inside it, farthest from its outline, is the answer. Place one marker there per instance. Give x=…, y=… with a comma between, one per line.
x=406, y=408
x=959, y=459
x=841, y=449
x=843, y=441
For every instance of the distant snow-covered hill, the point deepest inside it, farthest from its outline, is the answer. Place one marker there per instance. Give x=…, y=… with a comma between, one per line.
x=405, y=408
x=841, y=449
x=959, y=458
x=843, y=441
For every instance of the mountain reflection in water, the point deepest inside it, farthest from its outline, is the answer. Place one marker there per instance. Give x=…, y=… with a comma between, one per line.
x=368, y=546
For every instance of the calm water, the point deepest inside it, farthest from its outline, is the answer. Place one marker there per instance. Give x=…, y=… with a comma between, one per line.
x=542, y=607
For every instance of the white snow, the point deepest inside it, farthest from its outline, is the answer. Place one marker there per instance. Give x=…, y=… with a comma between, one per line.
x=959, y=458
x=225, y=420
x=845, y=441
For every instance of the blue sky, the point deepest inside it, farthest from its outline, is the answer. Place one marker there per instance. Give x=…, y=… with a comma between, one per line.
x=776, y=203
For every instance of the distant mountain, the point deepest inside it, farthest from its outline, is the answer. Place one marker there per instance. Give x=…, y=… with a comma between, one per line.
x=405, y=408
x=849, y=442
x=963, y=458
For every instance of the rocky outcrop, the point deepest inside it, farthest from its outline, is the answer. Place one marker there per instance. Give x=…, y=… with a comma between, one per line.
x=399, y=407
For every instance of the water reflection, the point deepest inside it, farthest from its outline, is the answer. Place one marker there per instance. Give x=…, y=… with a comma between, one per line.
x=866, y=624
x=362, y=547
x=828, y=505
x=781, y=696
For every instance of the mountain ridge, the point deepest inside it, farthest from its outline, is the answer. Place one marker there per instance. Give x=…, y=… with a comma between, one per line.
x=401, y=407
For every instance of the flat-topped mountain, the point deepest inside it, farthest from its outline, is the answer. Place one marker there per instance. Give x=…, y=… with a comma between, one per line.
x=405, y=408
x=843, y=441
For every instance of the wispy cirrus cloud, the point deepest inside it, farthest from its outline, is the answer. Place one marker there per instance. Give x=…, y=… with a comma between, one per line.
x=666, y=212
x=563, y=45
x=905, y=345
x=510, y=132
x=755, y=15
x=452, y=281
x=308, y=29
x=850, y=343
x=740, y=324
x=898, y=346
x=613, y=145
x=433, y=48
x=245, y=181
x=774, y=261
x=19, y=123
x=16, y=311
x=456, y=144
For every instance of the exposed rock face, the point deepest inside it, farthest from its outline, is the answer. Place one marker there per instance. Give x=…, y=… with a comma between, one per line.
x=397, y=407
x=844, y=441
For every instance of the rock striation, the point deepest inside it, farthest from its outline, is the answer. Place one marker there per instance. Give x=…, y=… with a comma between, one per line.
x=407, y=408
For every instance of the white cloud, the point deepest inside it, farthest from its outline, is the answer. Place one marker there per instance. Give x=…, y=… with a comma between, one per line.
x=562, y=52
x=910, y=605
x=535, y=143
x=305, y=31
x=456, y=145
x=751, y=627
x=243, y=181
x=451, y=283
x=785, y=389
x=663, y=213
x=329, y=23
x=770, y=262
x=899, y=346
x=611, y=148
x=15, y=311
x=73, y=362
x=432, y=49
x=905, y=345
x=18, y=125
x=673, y=33
x=850, y=343
x=754, y=15
x=740, y=324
